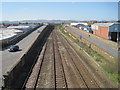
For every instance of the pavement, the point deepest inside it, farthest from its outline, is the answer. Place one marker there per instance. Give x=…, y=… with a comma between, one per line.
x=109, y=48
x=10, y=58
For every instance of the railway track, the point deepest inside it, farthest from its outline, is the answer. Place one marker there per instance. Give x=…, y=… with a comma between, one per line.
x=59, y=69
x=59, y=66
x=85, y=75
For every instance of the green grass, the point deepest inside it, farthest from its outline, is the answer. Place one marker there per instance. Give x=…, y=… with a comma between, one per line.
x=110, y=69
x=115, y=77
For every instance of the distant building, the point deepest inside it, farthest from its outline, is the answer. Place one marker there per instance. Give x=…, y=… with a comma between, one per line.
x=21, y=27
x=6, y=33
x=1, y=26
x=18, y=27
x=80, y=26
x=86, y=28
x=76, y=23
x=107, y=30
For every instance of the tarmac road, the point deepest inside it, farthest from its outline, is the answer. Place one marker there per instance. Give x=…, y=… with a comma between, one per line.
x=112, y=50
x=10, y=58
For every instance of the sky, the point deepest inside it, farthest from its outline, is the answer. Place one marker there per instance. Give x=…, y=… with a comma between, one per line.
x=60, y=10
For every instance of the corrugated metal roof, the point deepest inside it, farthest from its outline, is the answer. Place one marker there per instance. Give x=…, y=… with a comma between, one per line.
x=6, y=33
x=18, y=27
x=103, y=24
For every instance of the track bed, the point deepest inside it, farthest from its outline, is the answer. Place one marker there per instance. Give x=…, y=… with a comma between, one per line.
x=59, y=66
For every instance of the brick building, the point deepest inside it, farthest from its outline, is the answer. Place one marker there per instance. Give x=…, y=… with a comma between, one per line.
x=109, y=31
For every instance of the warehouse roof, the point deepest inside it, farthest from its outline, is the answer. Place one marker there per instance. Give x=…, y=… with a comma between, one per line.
x=18, y=27
x=103, y=24
x=6, y=33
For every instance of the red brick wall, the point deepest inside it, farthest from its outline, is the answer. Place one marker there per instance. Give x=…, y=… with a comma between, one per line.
x=102, y=32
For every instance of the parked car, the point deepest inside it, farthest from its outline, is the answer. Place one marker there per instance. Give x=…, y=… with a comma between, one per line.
x=13, y=48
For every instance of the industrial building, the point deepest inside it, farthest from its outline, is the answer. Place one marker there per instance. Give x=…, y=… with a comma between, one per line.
x=6, y=33
x=21, y=27
x=109, y=31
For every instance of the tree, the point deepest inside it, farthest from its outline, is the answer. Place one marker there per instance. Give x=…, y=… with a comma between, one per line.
x=19, y=22
x=89, y=24
x=26, y=23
